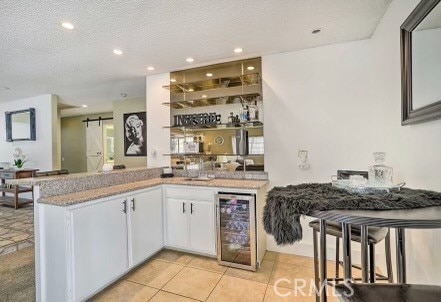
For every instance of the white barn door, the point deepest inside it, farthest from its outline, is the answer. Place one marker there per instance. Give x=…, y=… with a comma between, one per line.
x=94, y=145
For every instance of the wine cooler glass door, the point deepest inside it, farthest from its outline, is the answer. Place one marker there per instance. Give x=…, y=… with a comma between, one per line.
x=236, y=231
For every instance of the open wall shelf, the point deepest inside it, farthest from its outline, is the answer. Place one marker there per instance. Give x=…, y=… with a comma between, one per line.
x=234, y=87
x=222, y=126
x=217, y=97
x=209, y=154
x=218, y=83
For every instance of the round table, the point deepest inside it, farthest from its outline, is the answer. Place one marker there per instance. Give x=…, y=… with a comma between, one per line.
x=422, y=218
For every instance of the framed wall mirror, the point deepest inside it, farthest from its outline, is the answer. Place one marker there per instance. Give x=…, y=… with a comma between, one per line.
x=421, y=63
x=20, y=125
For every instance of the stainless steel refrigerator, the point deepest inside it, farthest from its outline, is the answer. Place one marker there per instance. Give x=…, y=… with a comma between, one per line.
x=236, y=230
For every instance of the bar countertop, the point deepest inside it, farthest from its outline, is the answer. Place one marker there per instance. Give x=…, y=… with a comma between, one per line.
x=89, y=195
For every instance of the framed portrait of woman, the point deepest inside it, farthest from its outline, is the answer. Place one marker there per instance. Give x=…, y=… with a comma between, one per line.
x=135, y=134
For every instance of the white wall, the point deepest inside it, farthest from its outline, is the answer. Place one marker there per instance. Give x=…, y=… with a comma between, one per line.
x=42, y=153
x=319, y=100
x=158, y=116
x=343, y=102
x=416, y=149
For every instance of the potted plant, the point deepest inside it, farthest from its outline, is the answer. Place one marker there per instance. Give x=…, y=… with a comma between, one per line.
x=19, y=158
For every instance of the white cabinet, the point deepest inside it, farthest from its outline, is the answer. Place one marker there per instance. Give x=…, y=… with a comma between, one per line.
x=177, y=222
x=202, y=232
x=84, y=247
x=99, y=246
x=112, y=235
x=190, y=220
x=146, y=235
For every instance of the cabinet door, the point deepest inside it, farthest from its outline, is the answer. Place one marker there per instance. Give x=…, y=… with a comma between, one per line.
x=202, y=227
x=99, y=246
x=177, y=222
x=146, y=229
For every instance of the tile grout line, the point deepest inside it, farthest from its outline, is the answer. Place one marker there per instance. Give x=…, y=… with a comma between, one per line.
x=153, y=295
x=183, y=266
x=166, y=291
x=172, y=277
x=271, y=274
x=149, y=261
x=222, y=275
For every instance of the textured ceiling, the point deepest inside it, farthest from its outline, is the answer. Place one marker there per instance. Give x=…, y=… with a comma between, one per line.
x=38, y=56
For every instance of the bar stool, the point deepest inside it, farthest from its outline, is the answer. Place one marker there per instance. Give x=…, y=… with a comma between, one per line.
x=362, y=292
x=375, y=235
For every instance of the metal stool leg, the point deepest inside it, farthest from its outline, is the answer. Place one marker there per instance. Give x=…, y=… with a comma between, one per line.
x=390, y=274
x=337, y=259
x=323, y=278
x=346, y=228
x=364, y=253
x=372, y=274
x=401, y=255
x=316, y=265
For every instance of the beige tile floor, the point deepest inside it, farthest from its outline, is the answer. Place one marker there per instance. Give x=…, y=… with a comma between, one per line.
x=16, y=228
x=176, y=276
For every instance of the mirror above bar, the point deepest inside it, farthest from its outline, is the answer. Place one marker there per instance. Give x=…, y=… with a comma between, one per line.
x=216, y=118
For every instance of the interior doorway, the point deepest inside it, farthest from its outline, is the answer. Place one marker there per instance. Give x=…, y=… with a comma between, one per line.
x=99, y=144
x=109, y=142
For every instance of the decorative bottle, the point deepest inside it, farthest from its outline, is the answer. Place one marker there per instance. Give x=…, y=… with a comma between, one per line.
x=201, y=145
x=380, y=175
x=231, y=119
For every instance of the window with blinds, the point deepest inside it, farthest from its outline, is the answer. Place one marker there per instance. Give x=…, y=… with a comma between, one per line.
x=256, y=145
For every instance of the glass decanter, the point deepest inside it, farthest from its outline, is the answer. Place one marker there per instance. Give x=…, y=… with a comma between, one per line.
x=380, y=175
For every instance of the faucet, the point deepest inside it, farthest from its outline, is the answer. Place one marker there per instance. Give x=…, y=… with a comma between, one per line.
x=201, y=167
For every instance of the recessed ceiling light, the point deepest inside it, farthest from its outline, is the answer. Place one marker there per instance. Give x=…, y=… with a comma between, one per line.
x=204, y=95
x=150, y=68
x=4, y=88
x=68, y=25
x=189, y=60
x=84, y=106
x=238, y=50
x=209, y=74
x=172, y=80
x=250, y=67
x=124, y=95
x=117, y=52
x=316, y=31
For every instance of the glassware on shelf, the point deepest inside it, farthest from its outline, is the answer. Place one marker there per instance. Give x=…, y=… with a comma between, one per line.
x=254, y=111
x=380, y=175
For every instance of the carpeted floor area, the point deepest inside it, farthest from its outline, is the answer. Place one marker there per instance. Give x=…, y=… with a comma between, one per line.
x=17, y=276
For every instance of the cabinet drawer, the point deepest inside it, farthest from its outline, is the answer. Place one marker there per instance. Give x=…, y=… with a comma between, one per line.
x=190, y=193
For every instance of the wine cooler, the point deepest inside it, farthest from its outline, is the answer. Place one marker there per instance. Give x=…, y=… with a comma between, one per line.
x=236, y=230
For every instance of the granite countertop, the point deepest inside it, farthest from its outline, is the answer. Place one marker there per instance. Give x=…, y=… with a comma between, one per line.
x=89, y=195
x=34, y=181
